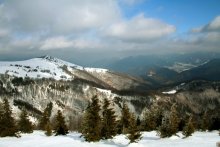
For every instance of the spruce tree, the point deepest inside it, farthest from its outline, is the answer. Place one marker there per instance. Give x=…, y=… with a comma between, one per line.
x=48, y=129
x=91, y=126
x=164, y=129
x=149, y=122
x=189, y=128
x=125, y=118
x=170, y=123
x=1, y=118
x=174, y=120
x=8, y=122
x=44, y=120
x=205, y=122
x=24, y=124
x=133, y=132
x=152, y=119
x=108, y=121
x=60, y=127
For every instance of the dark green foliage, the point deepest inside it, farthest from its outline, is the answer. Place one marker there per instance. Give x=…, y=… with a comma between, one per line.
x=133, y=132
x=189, y=128
x=91, y=126
x=49, y=108
x=164, y=129
x=170, y=123
x=174, y=120
x=60, y=127
x=1, y=118
x=152, y=119
x=7, y=121
x=24, y=124
x=138, y=121
x=125, y=118
x=48, y=129
x=205, y=122
x=108, y=121
x=43, y=120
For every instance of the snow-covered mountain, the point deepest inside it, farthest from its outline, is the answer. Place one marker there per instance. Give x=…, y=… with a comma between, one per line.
x=36, y=82
x=43, y=67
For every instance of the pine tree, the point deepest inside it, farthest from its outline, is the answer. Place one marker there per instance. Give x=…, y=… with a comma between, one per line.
x=8, y=122
x=43, y=120
x=60, y=127
x=125, y=118
x=164, y=129
x=48, y=129
x=170, y=123
x=189, y=128
x=205, y=122
x=133, y=132
x=1, y=118
x=24, y=124
x=91, y=126
x=152, y=119
x=174, y=120
x=108, y=121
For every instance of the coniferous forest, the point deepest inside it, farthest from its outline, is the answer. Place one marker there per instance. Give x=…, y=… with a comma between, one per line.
x=100, y=122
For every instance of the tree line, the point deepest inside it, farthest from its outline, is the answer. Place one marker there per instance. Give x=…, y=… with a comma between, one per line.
x=101, y=122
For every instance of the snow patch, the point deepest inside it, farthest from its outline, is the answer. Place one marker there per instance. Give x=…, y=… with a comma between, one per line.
x=170, y=92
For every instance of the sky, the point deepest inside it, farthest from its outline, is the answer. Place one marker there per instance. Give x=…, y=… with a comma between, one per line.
x=85, y=31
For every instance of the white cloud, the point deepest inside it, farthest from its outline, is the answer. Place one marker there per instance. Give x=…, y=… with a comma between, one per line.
x=139, y=29
x=56, y=43
x=64, y=16
x=213, y=26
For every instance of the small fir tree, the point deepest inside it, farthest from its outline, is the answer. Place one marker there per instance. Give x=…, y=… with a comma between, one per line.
x=108, y=121
x=60, y=127
x=152, y=119
x=149, y=122
x=43, y=120
x=174, y=120
x=1, y=118
x=164, y=130
x=125, y=118
x=205, y=122
x=48, y=129
x=170, y=123
x=8, y=122
x=189, y=129
x=91, y=126
x=24, y=124
x=133, y=132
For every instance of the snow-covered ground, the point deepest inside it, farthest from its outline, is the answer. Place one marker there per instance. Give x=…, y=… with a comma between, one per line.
x=38, y=139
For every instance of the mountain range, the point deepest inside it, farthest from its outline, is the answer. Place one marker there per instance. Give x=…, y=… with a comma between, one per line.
x=33, y=83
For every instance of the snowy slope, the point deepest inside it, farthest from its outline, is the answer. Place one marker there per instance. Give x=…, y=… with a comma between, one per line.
x=45, y=67
x=149, y=139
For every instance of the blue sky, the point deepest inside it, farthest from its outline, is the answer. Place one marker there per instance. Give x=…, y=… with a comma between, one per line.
x=106, y=29
x=184, y=14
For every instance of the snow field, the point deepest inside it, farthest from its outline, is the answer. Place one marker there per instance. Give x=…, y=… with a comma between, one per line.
x=149, y=139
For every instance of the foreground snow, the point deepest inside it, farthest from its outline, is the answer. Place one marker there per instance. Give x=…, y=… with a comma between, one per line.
x=38, y=139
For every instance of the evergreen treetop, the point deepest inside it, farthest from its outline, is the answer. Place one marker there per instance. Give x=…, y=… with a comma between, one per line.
x=91, y=126
x=61, y=127
x=24, y=124
x=133, y=132
x=125, y=118
x=108, y=121
x=7, y=121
